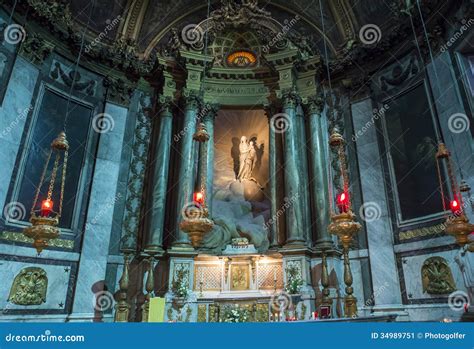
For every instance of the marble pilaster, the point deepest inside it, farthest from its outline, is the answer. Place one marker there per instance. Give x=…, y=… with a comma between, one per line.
x=319, y=164
x=154, y=241
x=14, y=111
x=384, y=271
x=96, y=239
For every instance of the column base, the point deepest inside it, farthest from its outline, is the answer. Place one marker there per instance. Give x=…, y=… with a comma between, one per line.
x=322, y=245
x=154, y=250
x=292, y=244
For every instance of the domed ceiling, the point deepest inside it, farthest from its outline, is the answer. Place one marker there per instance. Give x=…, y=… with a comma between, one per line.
x=148, y=23
x=128, y=34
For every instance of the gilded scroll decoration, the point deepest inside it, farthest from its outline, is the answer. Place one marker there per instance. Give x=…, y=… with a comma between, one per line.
x=29, y=287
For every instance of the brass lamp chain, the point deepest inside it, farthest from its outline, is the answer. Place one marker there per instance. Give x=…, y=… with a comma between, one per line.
x=441, y=184
x=343, y=167
x=63, y=180
x=43, y=175
x=53, y=176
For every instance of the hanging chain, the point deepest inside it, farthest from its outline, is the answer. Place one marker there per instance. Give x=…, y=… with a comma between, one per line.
x=43, y=175
x=441, y=183
x=343, y=167
x=63, y=180
x=53, y=176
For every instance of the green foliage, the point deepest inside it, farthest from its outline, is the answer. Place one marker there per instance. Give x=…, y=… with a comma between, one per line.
x=294, y=280
x=234, y=313
x=180, y=283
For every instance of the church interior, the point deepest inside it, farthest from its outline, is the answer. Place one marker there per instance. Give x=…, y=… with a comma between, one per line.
x=236, y=160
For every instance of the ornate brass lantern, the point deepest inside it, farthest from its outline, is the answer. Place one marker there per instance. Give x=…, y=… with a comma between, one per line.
x=45, y=220
x=457, y=223
x=343, y=224
x=196, y=222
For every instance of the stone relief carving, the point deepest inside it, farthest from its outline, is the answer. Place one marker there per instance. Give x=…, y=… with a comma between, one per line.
x=29, y=287
x=35, y=48
x=437, y=277
x=61, y=74
x=399, y=74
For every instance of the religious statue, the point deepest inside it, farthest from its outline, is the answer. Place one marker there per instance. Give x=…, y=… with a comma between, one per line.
x=247, y=159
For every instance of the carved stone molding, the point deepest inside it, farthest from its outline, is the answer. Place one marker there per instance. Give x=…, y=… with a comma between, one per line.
x=19, y=237
x=62, y=74
x=29, y=287
x=399, y=74
x=422, y=232
x=118, y=90
x=35, y=48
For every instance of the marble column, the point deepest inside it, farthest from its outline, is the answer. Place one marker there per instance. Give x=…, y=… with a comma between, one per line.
x=319, y=165
x=273, y=224
x=294, y=216
x=210, y=112
x=303, y=165
x=154, y=242
x=186, y=169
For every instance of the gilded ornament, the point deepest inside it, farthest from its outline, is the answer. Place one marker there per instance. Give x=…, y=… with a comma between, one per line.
x=29, y=287
x=437, y=277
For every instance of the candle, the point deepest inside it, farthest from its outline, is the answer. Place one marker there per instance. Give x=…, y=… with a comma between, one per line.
x=46, y=207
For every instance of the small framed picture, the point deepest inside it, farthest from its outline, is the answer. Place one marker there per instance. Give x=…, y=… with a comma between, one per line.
x=325, y=312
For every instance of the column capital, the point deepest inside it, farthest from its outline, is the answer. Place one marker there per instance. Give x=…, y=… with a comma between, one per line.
x=313, y=104
x=270, y=108
x=290, y=98
x=192, y=99
x=165, y=105
x=209, y=111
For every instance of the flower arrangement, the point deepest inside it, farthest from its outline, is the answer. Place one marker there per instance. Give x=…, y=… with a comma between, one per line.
x=180, y=284
x=294, y=280
x=235, y=314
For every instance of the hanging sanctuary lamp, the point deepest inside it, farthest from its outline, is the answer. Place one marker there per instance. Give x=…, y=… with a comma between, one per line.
x=343, y=223
x=196, y=223
x=44, y=219
x=457, y=224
